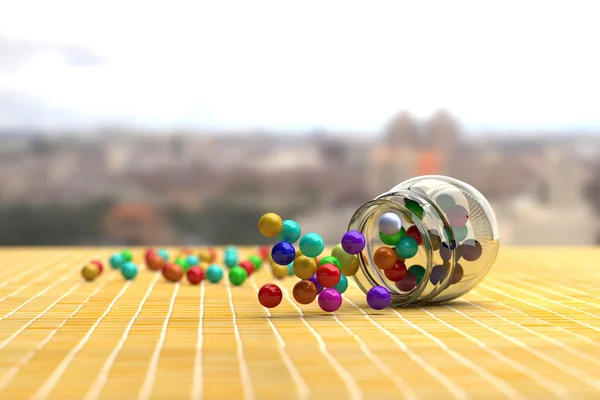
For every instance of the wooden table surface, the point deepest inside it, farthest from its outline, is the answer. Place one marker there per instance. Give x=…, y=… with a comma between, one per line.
x=531, y=329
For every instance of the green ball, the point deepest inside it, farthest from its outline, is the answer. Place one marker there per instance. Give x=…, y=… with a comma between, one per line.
x=127, y=255
x=342, y=284
x=407, y=247
x=237, y=275
x=257, y=261
x=129, y=270
x=460, y=233
x=415, y=208
x=418, y=271
x=331, y=260
x=394, y=239
x=311, y=245
x=183, y=263
x=214, y=273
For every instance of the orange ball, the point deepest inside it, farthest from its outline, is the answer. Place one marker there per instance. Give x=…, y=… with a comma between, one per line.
x=155, y=261
x=305, y=292
x=173, y=272
x=385, y=258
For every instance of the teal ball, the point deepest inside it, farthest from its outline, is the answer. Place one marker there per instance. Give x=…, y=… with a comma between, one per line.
x=407, y=247
x=117, y=260
x=231, y=258
x=214, y=273
x=129, y=270
x=290, y=232
x=164, y=254
x=342, y=284
x=193, y=260
x=311, y=245
x=291, y=269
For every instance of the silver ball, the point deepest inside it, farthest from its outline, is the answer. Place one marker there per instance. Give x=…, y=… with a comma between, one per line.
x=390, y=224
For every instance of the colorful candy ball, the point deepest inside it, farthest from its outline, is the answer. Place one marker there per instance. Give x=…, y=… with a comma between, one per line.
x=353, y=242
x=117, y=260
x=155, y=261
x=304, y=267
x=270, y=225
x=231, y=257
x=193, y=260
x=378, y=297
x=172, y=272
x=458, y=274
x=392, y=240
x=256, y=261
x=279, y=271
x=414, y=233
x=237, y=275
x=290, y=231
x=418, y=271
x=195, y=275
x=129, y=270
x=457, y=216
x=283, y=253
x=315, y=282
x=127, y=255
x=248, y=266
x=270, y=295
x=397, y=272
x=330, y=260
x=342, y=285
x=330, y=300
x=264, y=252
x=164, y=254
x=328, y=275
x=385, y=258
x=90, y=272
x=407, y=247
x=311, y=245
x=389, y=224
x=471, y=250
x=98, y=264
x=349, y=262
x=408, y=283
x=214, y=273
x=305, y=292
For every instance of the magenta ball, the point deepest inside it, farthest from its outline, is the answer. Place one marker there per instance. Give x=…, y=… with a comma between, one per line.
x=353, y=242
x=330, y=300
x=378, y=298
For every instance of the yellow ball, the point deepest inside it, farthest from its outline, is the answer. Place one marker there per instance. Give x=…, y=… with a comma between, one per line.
x=270, y=225
x=350, y=268
x=298, y=254
x=205, y=256
x=339, y=253
x=90, y=272
x=305, y=267
x=279, y=271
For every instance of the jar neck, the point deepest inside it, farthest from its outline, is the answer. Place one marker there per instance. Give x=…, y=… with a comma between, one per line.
x=432, y=219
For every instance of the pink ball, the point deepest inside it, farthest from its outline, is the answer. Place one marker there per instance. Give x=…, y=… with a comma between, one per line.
x=330, y=300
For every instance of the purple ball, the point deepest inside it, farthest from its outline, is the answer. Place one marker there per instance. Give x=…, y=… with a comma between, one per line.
x=353, y=242
x=314, y=280
x=378, y=298
x=330, y=300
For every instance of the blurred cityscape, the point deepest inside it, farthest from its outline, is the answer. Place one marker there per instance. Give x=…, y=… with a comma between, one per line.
x=119, y=186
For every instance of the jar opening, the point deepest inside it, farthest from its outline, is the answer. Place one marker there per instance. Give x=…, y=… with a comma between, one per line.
x=425, y=223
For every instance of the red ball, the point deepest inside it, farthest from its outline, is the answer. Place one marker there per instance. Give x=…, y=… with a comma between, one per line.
x=98, y=263
x=414, y=233
x=195, y=275
x=248, y=266
x=270, y=295
x=264, y=252
x=149, y=253
x=397, y=272
x=328, y=275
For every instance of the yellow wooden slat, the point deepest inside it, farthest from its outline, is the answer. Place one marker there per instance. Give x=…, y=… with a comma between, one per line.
x=530, y=330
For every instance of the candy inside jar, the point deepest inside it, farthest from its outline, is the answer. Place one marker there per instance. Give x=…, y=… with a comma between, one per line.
x=428, y=239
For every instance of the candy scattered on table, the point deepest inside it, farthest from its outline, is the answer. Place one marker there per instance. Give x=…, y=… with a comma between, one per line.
x=328, y=275
x=378, y=297
x=389, y=224
x=90, y=271
x=353, y=242
x=304, y=267
x=283, y=253
x=195, y=275
x=172, y=272
x=290, y=231
x=98, y=264
x=305, y=292
x=270, y=295
x=237, y=275
x=214, y=273
x=129, y=270
x=330, y=300
x=311, y=245
x=342, y=285
x=117, y=260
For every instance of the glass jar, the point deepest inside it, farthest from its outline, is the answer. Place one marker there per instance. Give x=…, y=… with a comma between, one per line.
x=457, y=237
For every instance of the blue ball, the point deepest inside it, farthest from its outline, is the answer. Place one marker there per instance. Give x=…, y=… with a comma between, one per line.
x=231, y=258
x=283, y=253
x=129, y=270
x=290, y=231
x=311, y=245
x=117, y=260
x=342, y=284
x=214, y=273
x=193, y=260
x=164, y=254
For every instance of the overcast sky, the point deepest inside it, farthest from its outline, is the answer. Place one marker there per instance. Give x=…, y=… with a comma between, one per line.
x=299, y=65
